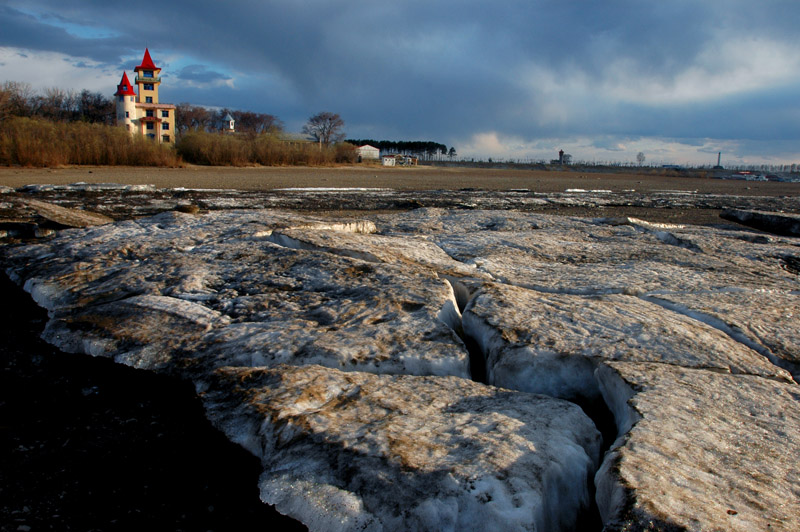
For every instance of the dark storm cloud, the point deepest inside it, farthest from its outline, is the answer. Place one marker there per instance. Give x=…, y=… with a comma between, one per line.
x=23, y=30
x=451, y=69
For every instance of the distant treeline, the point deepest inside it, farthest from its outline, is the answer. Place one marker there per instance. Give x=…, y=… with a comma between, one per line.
x=60, y=127
x=420, y=148
x=57, y=105
x=197, y=118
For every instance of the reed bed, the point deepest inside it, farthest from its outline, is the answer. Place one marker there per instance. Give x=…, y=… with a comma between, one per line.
x=266, y=150
x=34, y=142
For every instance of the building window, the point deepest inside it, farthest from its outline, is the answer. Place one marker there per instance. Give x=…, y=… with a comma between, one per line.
x=164, y=138
x=148, y=73
x=121, y=98
x=127, y=114
x=151, y=136
x=131, y=98
x=164, y=114
x=150, y=112
x=148, y=86
x=150, y=125
x=148, y=99
x=165, y=126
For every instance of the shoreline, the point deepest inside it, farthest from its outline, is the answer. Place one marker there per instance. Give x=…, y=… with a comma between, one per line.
x=423, y=178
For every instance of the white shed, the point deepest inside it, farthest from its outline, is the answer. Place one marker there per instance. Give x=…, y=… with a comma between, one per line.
x=368, y=152
x=388, y=160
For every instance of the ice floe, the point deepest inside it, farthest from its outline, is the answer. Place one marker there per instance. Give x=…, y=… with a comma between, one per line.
x=340, y=351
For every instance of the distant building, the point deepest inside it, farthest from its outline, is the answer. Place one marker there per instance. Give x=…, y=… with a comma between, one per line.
x=228, y=124
x=399, y=160
x=142, y=113
x=367, y=152
x=563, y=158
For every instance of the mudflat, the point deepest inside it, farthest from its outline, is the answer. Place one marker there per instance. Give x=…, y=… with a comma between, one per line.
x=373, y=176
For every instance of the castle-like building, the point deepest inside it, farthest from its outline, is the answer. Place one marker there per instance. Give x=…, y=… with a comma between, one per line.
x=142, y=113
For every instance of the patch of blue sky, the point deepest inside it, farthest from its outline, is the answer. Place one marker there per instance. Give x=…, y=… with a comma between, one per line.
x=82, y=31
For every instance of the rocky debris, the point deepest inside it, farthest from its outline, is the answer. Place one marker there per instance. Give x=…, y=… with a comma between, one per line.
x=66, y=216
x=126, y=201
x=312, y=338
x=778, y=223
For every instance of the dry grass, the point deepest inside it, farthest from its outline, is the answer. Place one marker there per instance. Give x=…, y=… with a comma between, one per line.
x=32, y=142
x=266, y=150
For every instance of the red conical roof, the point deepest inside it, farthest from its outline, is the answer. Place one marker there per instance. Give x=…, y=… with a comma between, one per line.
x=125, y=88
x=147, y=63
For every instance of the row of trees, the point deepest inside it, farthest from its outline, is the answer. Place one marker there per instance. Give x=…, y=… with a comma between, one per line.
x=58, y=105
x=417, y=148
x=27, y=115
x=197, y=118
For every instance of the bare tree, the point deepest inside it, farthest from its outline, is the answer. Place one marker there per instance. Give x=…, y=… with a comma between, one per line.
x=193, y=117
x=59, y=105
x=257, y=123
x=325, y=128
x=5, y=103
x=640, y=158
x=251, y=123
x=21, y=98
x=95, y=107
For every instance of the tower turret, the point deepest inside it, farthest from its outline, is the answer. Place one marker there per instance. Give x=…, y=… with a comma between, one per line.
x=147, y=79
x=126, y=103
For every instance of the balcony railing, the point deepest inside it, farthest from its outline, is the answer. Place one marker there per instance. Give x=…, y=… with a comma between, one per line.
x=144, y=79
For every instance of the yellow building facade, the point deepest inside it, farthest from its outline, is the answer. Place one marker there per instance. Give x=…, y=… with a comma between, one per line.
x=139, y=110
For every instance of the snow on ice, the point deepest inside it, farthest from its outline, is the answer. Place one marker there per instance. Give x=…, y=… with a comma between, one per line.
x=339, y=353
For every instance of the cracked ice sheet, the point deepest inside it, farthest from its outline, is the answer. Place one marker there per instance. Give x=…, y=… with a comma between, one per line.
x=710, y=452
x=225, y=264
x=595, y=256
x=347, y=451
x=551, y=343
x=270, y=304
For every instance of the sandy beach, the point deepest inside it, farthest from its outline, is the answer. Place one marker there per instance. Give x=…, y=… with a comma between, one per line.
x=411, y=178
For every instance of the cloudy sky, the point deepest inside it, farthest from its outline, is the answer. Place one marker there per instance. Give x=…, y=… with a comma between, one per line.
x=678, y=80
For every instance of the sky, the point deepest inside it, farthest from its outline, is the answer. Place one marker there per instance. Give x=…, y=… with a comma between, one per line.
x=679, y=81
